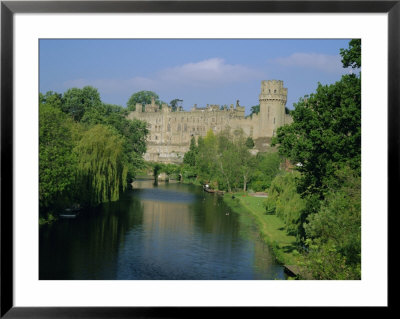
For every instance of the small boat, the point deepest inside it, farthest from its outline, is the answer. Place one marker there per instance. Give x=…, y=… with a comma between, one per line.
x=207, y=189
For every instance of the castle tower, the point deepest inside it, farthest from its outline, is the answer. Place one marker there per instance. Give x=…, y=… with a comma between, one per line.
x=272, y=106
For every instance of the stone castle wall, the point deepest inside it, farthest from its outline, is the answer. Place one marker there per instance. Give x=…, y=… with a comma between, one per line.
x=170, y=132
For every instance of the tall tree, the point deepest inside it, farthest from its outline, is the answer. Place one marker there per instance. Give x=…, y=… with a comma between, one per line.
x=255, y=109
x=102, y=164
x=57, y=162
x=174, y=104
x=190, y=156
x=77, y=101
x=351, y=57
x=326, y=128
x=143, y=98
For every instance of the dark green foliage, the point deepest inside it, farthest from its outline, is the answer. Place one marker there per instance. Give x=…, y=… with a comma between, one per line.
x=174, y=104
x=89, y=160
x=334, y=233
x=142, y=97
x=190, y=156
x=51, y=98
x=351, y=57
x=57, y=162
x=325, y=141
x=156, y=170
x=249, y=142
x=133, y=131
x=326, y=130
x=255, y=109
x=265, y=169
x=76, y=102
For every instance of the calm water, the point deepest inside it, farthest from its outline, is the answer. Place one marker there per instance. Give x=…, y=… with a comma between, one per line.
x=169, y=231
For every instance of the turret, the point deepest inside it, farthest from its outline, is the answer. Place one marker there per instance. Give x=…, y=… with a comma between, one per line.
x=272, y=106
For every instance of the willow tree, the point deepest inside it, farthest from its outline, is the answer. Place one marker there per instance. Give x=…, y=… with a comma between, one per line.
x=102, y=164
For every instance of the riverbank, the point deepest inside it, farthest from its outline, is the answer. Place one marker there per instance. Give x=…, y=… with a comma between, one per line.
x=272, y=229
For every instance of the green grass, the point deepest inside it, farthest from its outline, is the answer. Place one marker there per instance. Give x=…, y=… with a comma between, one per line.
x=271, y=227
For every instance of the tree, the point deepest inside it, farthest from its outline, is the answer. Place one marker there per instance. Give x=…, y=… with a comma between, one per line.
x=249, y=142
x=326, y=128
x=102, y=165
x=190, y=157
x=51, y=98
x=57, y=162
x=351, y=57
x=265, y=170
x=255, y=109
x=76, y=102
x=334, y=233
x=247, y=161
x=142, y=97
x=284, y=201
x=206, y=157
x=325, y=135
x=174, y=104
x=134, y=132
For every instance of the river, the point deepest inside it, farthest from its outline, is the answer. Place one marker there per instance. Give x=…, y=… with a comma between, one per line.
x=167, y=231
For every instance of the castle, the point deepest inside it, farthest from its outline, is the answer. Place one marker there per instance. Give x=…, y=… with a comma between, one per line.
x=170, y=132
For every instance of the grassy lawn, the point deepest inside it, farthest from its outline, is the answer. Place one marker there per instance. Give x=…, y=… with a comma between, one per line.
x=271, y=227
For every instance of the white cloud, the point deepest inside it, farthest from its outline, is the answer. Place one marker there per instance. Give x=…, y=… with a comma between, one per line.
x=207, y=73
x=322, y=62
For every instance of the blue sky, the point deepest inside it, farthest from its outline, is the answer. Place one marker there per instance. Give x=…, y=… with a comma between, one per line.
x=197, y=71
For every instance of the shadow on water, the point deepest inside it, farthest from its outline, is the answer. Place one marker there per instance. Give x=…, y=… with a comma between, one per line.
x=164, y=231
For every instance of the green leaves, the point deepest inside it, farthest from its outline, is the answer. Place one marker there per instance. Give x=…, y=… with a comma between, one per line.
x=351, y=57
x=102, y=164
x=142, y=97
x=325, y=141
x=326, y=129
x=88, y=150
x=57, y=162
x=77, y=101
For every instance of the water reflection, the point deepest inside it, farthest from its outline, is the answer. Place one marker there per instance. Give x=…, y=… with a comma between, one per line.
x=164, y=231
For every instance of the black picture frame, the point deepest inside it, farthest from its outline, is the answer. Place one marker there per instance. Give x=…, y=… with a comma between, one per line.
x=9, y=8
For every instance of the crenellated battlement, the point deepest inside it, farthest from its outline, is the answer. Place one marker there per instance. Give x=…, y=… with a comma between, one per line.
x=273, y=90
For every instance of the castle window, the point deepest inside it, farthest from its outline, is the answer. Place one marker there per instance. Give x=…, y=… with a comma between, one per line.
x=274, y=91
x=274, y=120
x=169, y=128
x=185, y=128
x=156, y=137
x=179, y=127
